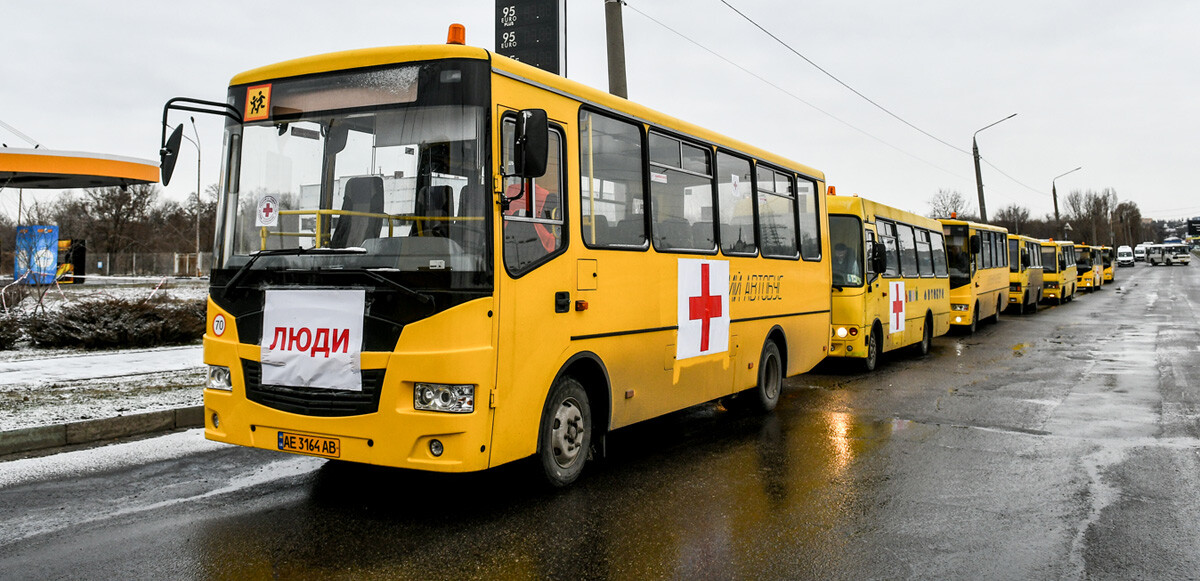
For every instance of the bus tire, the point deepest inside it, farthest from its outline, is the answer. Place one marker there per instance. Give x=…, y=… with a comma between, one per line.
x=874, y=349
x=565, y=433
x=995, y=317
x=974, y=320
x=926, y=337
x=765, y=396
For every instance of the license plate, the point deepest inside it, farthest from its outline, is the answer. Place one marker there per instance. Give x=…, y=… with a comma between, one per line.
x=313, y=445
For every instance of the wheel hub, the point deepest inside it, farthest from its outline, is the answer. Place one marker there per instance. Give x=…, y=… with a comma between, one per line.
x=568, y=433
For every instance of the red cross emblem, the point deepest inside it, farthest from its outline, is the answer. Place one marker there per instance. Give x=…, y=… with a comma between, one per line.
x=267, y=210
x=705, y=307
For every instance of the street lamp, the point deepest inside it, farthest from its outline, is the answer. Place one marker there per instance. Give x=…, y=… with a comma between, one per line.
x=196, y=142
x=1054, y=192
x=978, y=177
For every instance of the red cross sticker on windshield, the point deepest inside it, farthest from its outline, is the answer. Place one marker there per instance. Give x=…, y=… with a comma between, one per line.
x=704, y=307
x=268, y=210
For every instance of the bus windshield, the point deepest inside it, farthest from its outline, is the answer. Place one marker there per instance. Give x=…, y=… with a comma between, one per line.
x=1049, y=260
x=382, y=169
x=958, y=255
x=1014, y=255
x=846, y=237
x=1084, y=259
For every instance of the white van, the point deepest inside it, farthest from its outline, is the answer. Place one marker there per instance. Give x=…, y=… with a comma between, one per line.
x=1124, y=256
x=1168, y=254
x=1139, y=253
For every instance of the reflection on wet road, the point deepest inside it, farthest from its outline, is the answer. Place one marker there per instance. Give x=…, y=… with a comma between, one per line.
x=1058, y=445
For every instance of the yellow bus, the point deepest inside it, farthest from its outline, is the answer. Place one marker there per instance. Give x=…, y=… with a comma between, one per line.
x=1087, y=262
x=1059, y=274
x=1025, y=273
x=1108, y=260
x=890, y=285
x=439, y=258
x=977, y=259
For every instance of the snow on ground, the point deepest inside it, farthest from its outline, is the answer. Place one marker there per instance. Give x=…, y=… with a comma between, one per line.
x=41, y=387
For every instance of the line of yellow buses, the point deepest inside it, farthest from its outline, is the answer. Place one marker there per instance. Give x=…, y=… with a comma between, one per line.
x=438, y=258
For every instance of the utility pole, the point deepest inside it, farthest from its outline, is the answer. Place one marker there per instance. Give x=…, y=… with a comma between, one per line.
x=615, y=29
x=978, y=176
x=1054, y=193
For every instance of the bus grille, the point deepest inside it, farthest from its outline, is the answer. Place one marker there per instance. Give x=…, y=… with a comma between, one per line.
x=310, y=401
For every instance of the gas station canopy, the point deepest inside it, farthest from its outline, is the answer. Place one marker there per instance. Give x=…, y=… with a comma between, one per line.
x=46, y=169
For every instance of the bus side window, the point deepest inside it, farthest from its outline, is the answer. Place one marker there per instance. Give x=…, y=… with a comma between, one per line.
x=939, y=254
x=924, y=253
x=776, y=213
x=908, y=251
x=870, y=249
x=612, y=199
x=533, y=222
x=681, y=195
x=887, y=234
x=735, y=204
x=810, y=220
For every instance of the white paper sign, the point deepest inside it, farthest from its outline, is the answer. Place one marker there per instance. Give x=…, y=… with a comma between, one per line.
x=703, y=308
x=268, y=211
x=313, y=338
x=896, y=306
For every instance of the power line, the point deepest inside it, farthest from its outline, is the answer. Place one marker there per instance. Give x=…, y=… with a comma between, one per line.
x=842, y=83
x=789, y=93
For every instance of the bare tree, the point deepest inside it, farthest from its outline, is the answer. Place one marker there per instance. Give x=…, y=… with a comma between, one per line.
x=946, y=203
x=116, y=210
x=1013, y=217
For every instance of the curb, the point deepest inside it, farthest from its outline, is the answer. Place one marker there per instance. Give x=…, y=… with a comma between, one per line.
x=88, y=431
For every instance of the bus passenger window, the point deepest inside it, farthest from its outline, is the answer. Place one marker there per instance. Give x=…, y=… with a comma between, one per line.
x=735, y=202
x=533, y=222
x=776, y=213
x=612, y=204
x=924, y=254
x=939, y=254
x=887, y=235
x=810, y=221
x=908, y=251
x=681, y=195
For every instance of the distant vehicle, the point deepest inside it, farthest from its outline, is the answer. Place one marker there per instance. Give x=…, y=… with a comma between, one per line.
x=1087, y=262
x=1025, y=278
x=1139, y=253
x=1059, y=273
x=1169, y=254
x=1125, y=256
x=1107, y=265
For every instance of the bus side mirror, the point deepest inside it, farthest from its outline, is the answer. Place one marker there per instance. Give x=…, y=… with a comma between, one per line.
x=169, y=154
x=976, y=244
x=878, y=257
x=532, y=143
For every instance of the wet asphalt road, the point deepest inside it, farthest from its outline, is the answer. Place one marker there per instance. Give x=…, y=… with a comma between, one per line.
x=1061, y=445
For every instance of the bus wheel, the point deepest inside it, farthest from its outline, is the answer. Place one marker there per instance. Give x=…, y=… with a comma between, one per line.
x=565, y=435
x=770, y=379
x=874, y=349
x=926, y=338
x=974, y=320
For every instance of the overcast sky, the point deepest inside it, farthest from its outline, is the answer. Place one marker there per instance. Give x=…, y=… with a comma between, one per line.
x=1108, y=85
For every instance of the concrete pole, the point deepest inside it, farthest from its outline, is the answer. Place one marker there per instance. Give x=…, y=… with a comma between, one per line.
x=615, y=30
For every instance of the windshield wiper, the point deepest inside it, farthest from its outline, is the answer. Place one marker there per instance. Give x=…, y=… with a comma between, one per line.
x=420, y=296
x=297, y=251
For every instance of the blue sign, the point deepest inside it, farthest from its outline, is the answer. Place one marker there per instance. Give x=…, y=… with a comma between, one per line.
x=36, y=259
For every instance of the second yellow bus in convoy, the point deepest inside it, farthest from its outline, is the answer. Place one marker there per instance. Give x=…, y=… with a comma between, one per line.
x=890, y=283
x=1025, y=275
x=1059, y=273
x=1087, y=262
x=977, y=259
x=439, y=258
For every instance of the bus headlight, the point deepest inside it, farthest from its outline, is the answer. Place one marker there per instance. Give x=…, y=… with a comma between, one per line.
x=440, y=397
x=218, y=378
x=958, y=307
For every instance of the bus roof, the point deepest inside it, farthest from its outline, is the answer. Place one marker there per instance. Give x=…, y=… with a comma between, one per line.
x=975, y=225
x=47, y=169
x=869, y=209
x=371, y=57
